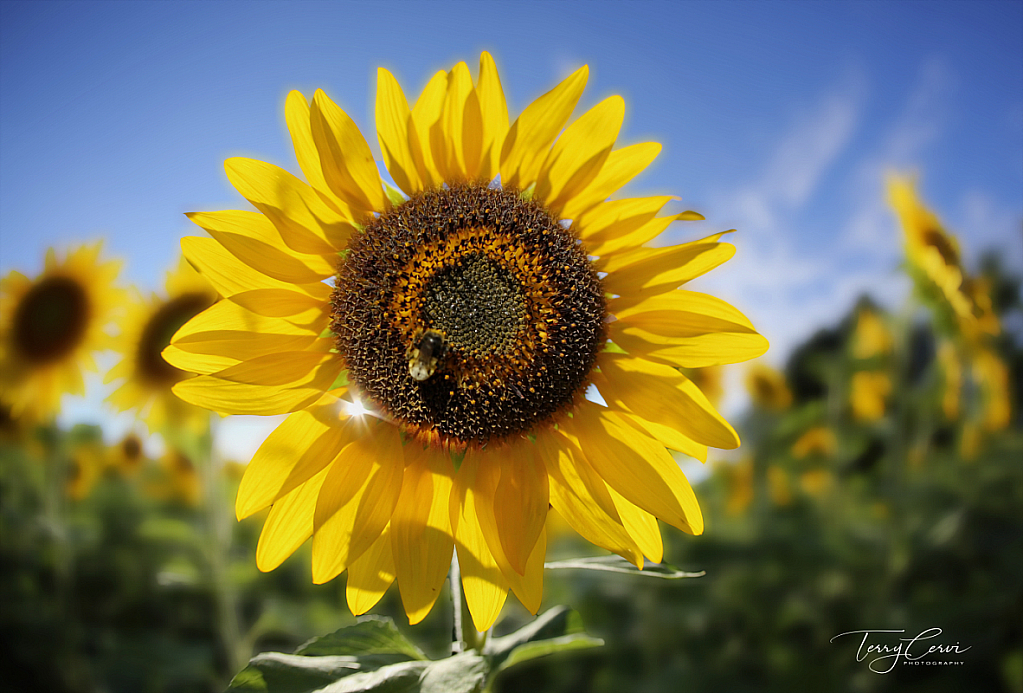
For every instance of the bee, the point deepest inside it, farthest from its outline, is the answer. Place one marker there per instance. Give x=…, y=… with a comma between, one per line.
x=428, y=349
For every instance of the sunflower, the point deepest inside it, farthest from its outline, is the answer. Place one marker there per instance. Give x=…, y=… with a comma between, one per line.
x=868, y=394
x=51, y=325
x=932, y=252
x=818, y=441
x=146, y=331
x=437, y=389
x=768, y=388
x=871, y=336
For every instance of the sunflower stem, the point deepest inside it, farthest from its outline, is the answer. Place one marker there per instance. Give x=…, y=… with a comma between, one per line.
x=464, y=635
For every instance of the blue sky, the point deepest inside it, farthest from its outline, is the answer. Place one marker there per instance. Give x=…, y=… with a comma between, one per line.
x=779, y=119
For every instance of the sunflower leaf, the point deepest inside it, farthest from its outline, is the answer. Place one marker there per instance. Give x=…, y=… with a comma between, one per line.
x=617, y=564
x=370, y=636
x=556, y=630
x=276, y=672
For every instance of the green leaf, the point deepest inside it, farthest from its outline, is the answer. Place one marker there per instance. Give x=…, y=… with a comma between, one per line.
x=557, y=630
x=395, y=678
x=463, y=673
x=617, y=564
x=370, y=636
x=394, y=195
x=532, y=650
x=276, y=672
x=340, y=381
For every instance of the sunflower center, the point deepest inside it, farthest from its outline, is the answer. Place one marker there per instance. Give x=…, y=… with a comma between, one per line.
x=468, y=315
x=477, y=305
x=51, y=320
x=157, y=333
x=937, y=240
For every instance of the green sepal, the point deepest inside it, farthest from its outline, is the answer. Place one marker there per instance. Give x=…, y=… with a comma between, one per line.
x=527, y=194
x=394, y=195
x=340, y=381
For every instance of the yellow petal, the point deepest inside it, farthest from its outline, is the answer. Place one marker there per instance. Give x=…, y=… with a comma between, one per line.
x=520, y=502
x=608, y=250
x=254, y=240
x=494, y=114
x=426, y=115
x=622, y=165
x=658, y=269
x=661, y=394
x=285, y=303
x=298, y=118
x=461, y=133
x=641, y=525
x=531, y=135
x=195, y=363
x=304, y=220
x=581, y=497
x=348, y=165
x=370, y=575
x=635, y=465
x=289, y=524
x=665, y=435
x=483, y=583
x=527, y=584
x=579, y=154
x=296, y=451
x=421, y=529
x=357, y=500
x=242, y=398
x=394, y=122
x=616, y=218
x=288, y=369
x=685, y=328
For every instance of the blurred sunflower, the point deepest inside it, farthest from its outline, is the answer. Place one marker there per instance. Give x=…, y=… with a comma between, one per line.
x=869, y=392
x=51, y=325
x=468, y=317
x=930, y=250
x=871, y=336
x=952, y=379
x=146, y=331
x=817, y=441
x=128, y=456
x=84, y=469
x=768, y=388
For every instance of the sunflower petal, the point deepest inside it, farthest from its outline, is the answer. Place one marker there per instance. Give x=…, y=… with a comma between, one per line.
x=370, y=575
x=663, y=395
x=494, y=114
x=579, y=154
x=453, y=136
x=520, y=503
x=534, y=131
x=357, y=500
x=298, y=119
x=303, y=219
x=426, y=115
x=289, y=524
x=348, y=165
x=421, y=530
x=394, y=122
x=228, y=397
x=292, y=454
x=483, y=582
x=641, y=525
x=636, y=466
x=622, y=165
x=645, y=271
x=581, y=497
x=254, y=240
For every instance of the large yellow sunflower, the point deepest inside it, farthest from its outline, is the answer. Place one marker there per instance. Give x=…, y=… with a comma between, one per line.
x=51, y=325
x=437, y=388
x=146, y=331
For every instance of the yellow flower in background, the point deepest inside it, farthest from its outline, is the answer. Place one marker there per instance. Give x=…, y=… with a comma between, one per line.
x=437, y=388
x=710, y=380
x=986, y=322
x=51, y=325
x=178, y=479
x=871, y=337
x=816, y=482
x=768, y=388
x=84, y=470
x=929, y=248
x=819, y=440
x=992, y=375
x=869, y=391
x=952, y=379
x=778, y=486
x=146, y=332
x=128, y=456
x=739, y=477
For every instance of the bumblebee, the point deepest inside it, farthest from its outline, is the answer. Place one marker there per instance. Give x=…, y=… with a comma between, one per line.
x=428, y=349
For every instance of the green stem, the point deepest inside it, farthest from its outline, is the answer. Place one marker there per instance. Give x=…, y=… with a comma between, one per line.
x=464, y=636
